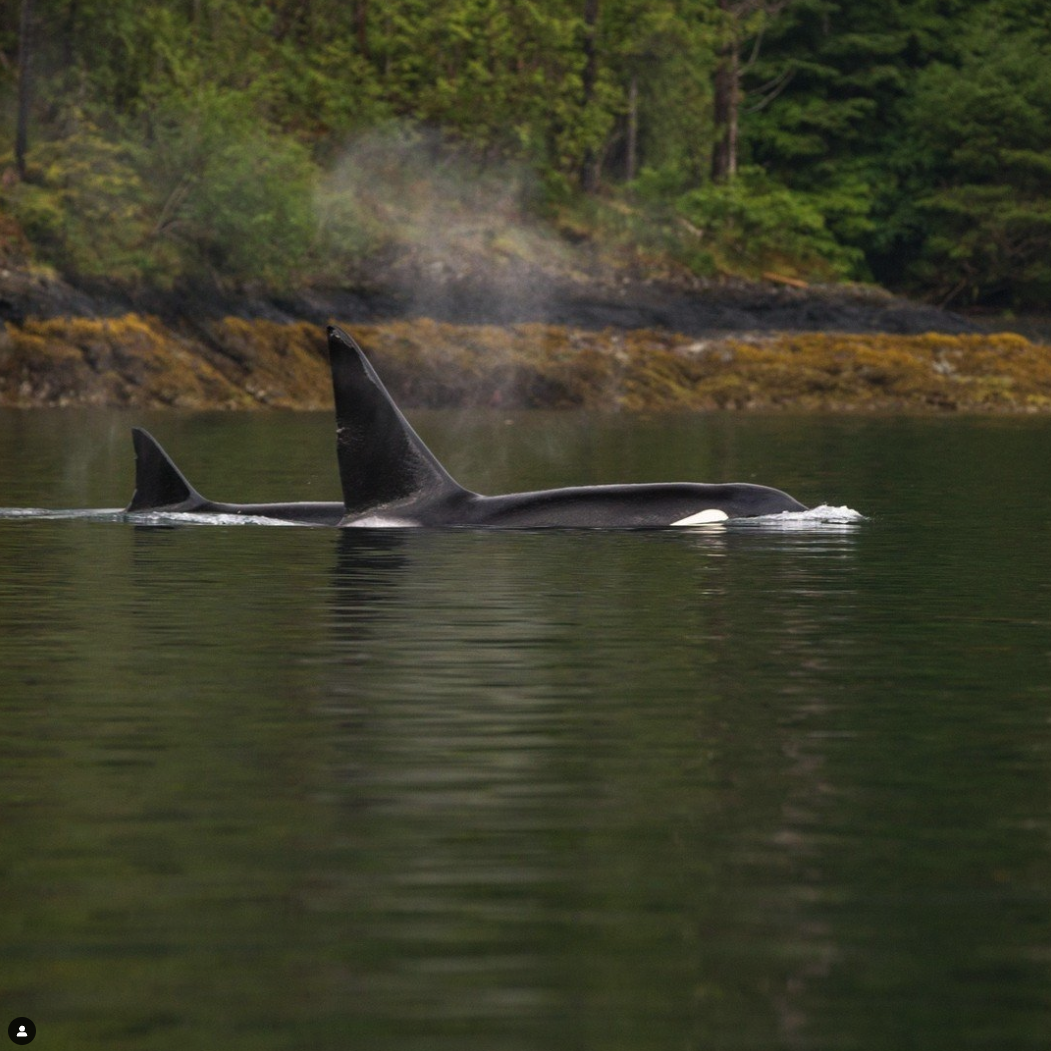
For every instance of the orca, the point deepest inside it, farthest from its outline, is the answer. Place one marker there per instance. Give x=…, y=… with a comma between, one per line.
x=161, y=487
x=391, y=479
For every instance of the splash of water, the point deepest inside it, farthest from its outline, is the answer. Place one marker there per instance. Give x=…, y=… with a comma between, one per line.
x=143, y=518
x=822, y=517
x=169, y=518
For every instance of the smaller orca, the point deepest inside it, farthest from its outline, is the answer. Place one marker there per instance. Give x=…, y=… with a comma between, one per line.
x=390, y=478
x=161, y=486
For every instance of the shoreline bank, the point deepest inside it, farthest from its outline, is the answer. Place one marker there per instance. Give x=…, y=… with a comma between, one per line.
x=141, y=361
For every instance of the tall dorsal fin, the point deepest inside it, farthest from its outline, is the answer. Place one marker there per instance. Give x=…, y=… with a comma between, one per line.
x=381, y=458
x=158, y=482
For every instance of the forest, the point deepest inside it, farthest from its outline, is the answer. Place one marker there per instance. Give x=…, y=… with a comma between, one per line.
x=280, y=143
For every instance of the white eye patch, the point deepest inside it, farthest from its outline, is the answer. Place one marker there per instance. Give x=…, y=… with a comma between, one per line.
x=711, y=514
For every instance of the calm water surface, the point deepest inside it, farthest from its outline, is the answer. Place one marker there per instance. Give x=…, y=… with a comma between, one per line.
x=731, y=788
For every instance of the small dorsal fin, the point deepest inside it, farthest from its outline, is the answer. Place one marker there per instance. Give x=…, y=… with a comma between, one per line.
x=158, y=482
x=382, y=460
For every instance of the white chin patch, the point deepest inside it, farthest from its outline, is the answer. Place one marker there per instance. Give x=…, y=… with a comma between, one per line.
x=712, y=514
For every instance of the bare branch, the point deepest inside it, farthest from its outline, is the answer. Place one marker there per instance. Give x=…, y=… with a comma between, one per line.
x=771, y=89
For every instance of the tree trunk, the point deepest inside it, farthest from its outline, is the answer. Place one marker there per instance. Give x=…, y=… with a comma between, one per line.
x=631, y=164
x=69, y=34
x=726, y=79
x=726, y=103
x=589, y=166
x=361, y=26
x=25, y=59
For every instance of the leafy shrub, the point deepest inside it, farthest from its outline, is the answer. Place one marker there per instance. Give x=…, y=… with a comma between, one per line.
x=981, y=133
x=752, y=224
x=198, y=186
x=87, y=208
x=236, y=196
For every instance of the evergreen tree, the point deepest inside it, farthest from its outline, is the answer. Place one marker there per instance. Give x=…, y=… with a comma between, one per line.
x=838, y=74
x=981, y=173
x=660, y=56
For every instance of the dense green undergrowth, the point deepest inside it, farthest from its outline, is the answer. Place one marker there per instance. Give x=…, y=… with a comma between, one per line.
x=260, y=212
x=278, y=144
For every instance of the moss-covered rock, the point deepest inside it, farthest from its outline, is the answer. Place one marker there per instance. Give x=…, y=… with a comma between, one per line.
x=236, y=363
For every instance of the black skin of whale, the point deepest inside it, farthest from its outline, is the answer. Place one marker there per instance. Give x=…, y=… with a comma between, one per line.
x=390, y=478
x=161, y=486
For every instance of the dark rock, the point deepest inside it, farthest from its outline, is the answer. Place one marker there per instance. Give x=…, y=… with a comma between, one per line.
x=697, y=308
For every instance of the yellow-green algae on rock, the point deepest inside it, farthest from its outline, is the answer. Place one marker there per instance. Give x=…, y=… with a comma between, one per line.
x=240, y=364
x=139, y=361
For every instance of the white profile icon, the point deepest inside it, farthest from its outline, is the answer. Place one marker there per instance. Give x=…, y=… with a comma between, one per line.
x=21, y=1032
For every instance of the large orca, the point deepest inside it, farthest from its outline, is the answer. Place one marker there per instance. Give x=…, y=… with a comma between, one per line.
x=161, y=486
x=390, y=478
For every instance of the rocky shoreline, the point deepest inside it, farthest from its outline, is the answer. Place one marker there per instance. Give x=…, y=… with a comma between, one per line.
x=237, y=363
x=604, y=346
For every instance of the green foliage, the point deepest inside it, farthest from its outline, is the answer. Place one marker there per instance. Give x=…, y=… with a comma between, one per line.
x=501, y=76
x=826, y=113
x=208, y=193
x=87, y=207
x=906, y=139
x=984, y=210
x=236, y=197
x=752, y=224
x=664, y=47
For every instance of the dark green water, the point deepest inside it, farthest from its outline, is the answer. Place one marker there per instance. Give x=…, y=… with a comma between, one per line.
x=732, y=788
